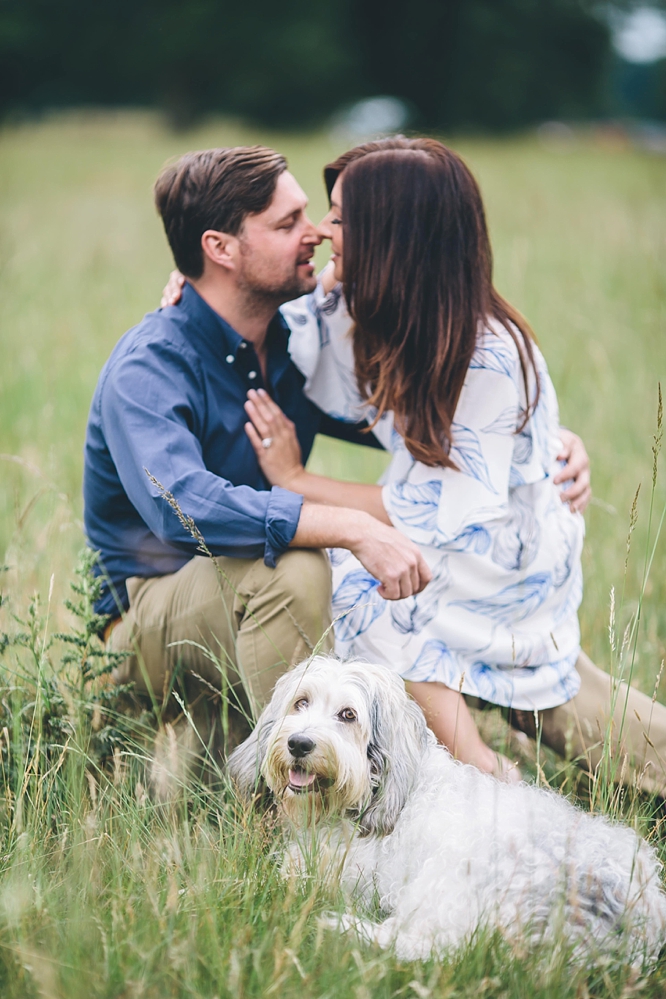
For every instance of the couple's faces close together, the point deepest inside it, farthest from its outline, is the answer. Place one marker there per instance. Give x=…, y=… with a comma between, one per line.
x=330, y=227
x=275, y=247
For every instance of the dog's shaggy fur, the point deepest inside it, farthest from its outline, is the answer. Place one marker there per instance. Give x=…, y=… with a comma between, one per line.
x=441, y=846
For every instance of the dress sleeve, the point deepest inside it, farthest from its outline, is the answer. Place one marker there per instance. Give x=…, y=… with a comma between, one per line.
x=442, y=506
x=305, y=341
x=321, y=347
x=150, y=423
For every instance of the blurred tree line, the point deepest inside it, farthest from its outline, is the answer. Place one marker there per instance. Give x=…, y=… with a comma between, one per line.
x=488, y=64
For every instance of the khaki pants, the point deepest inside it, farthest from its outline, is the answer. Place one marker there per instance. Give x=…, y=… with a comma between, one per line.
x=577, y=729
x=255, y=622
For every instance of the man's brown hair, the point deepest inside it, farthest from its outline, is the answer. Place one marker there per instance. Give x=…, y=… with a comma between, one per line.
x=213, y=189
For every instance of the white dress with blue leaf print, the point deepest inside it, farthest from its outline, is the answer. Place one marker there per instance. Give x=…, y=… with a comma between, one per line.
x=499, y=619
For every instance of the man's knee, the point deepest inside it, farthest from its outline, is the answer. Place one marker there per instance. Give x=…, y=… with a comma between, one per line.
x=303, y=579
x=305, y=575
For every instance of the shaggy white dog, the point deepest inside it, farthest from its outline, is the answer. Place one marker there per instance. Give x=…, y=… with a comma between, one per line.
x=442, y=847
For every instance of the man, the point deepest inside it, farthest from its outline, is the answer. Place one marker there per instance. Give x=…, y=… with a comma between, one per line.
x=166, y=442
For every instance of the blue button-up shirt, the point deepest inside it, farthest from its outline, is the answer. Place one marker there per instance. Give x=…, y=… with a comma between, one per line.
x=170, y=401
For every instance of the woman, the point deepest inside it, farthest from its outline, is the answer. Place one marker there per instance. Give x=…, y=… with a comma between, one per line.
x=456, y=389
x=452, y=383
x=454, y=386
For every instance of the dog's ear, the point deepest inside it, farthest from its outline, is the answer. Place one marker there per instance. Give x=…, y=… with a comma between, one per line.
x=398, y=742
x=244, y=764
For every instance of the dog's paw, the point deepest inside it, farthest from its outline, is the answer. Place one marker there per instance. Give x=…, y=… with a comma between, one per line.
x=340, y=922
x=345, y=922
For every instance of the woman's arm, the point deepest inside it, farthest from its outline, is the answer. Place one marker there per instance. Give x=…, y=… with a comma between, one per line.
x=282, y=465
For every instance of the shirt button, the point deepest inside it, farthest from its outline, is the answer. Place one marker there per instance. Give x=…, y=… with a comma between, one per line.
x=230, y=358
x=252, y=374
x=242, y=345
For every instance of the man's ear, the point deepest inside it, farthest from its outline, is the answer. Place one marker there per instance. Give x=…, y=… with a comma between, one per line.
x=220, y=248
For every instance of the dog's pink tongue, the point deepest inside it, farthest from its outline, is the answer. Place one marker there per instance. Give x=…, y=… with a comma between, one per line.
x=299, y=778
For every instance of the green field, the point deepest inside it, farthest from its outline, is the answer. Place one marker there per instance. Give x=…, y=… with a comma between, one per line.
x=101, y=894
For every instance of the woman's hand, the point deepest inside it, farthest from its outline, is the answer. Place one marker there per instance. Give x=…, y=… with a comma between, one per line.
x=173, y=290
x=281, y=460
x=577, y=468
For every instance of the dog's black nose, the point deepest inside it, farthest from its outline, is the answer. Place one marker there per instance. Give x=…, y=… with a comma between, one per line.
x=300, y=746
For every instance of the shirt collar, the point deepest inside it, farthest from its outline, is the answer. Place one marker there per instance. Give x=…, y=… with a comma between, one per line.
x=279, y=358
x=226, y=342
x=224, y=337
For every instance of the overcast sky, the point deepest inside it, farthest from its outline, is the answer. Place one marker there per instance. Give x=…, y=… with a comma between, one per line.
x=641, y=35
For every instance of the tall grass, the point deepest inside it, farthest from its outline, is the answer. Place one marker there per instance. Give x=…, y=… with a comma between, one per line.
x=106, y=892
x=103, y=892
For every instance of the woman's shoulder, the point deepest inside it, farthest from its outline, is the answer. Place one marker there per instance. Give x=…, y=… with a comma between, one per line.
x=496, y=349
x=500, y=349
x=317, y=304
x=318, y=324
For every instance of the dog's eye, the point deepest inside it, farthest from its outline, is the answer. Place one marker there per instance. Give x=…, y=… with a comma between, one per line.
x=301, y=703
x=347, y=715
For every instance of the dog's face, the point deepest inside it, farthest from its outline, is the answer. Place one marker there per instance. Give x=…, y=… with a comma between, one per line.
x=337, y=738
x=317, y=756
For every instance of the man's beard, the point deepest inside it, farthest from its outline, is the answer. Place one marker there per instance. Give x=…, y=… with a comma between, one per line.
x=263, y=290
x=278, y=292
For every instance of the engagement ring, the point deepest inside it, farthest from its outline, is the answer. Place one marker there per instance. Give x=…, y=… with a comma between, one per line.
x=266, y=442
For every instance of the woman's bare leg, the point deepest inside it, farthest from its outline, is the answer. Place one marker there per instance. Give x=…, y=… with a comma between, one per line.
x=448, y=716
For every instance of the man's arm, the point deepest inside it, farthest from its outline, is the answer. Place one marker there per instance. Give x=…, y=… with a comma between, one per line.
x=150, y=419
x=386, y=553
x=150, y=426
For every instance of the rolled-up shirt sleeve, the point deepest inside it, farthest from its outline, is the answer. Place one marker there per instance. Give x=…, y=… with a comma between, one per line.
x=150, y=417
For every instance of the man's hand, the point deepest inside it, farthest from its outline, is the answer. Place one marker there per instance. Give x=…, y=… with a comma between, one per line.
x=577, y=467
x=173, y=290
x=386, y=553
x=393, y=559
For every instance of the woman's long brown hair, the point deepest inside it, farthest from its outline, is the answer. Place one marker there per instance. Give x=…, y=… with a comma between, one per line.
x=418, y=285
